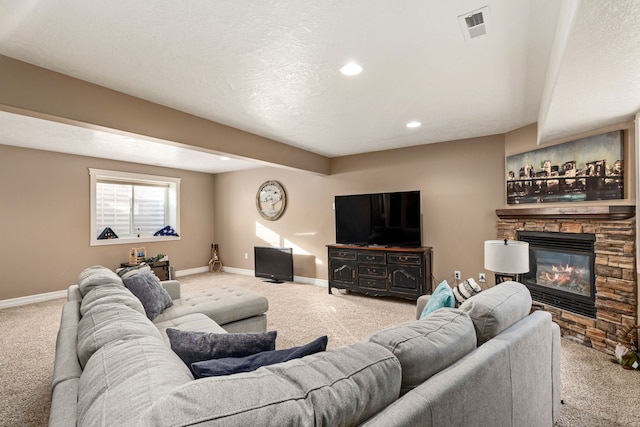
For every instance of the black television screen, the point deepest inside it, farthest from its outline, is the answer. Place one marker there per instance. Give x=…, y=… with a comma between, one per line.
x=275, y=264
x=380, y=219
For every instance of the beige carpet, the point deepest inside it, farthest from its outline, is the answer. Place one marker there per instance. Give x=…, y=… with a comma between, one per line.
x=596, y=392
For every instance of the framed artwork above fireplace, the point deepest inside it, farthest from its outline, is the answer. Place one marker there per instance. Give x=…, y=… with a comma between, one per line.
x=586, y=169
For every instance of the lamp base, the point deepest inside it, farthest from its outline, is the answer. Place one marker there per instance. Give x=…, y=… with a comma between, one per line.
x=504, y=277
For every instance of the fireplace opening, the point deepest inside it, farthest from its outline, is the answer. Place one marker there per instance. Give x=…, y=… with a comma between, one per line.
x=562, y=270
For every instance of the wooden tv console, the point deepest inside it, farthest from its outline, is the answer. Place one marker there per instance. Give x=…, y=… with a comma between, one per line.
x=380, y=271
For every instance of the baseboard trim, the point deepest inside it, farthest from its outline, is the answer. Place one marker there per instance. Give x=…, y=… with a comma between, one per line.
x=32, y=299
x=189, y=271
x=297, y=279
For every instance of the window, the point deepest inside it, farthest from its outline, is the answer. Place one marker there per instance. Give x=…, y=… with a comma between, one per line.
x=133, y=206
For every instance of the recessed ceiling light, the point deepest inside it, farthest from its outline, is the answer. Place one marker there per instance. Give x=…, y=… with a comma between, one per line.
x=225, y=158
x=351, y=69
x=414, y=124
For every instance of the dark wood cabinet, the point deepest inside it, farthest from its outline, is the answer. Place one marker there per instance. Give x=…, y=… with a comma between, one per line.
x=378, y=271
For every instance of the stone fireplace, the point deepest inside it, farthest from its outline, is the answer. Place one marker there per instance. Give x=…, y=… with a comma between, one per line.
x=589, y=296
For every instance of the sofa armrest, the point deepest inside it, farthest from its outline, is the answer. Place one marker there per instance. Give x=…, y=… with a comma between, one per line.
x=420, y=303
x=173, y=288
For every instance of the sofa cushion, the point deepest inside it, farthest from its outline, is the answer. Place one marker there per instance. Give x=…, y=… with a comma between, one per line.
x=234, y=365
x=340, y=387
x=124, y=378
x=441, y=297
x=110, y=294
x=497, y=308
x=223, y=305
x=425, y=347
x=105, y=323
x=197, y=346
x=465, y=290
x=94, y=276
x=147, y=287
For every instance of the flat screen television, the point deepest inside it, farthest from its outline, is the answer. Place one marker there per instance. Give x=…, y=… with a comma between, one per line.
x=274, y=264
x=379, y=219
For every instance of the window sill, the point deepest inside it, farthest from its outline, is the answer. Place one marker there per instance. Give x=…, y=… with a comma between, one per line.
x=132, y=240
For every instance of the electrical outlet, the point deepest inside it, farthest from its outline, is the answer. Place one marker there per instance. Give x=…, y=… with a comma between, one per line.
x=457, y=275
x=482, y=277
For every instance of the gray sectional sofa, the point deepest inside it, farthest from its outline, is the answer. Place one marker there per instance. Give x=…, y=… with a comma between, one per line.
x=488, y=362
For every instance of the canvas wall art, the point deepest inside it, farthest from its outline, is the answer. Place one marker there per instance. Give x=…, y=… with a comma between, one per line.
x=582, y=170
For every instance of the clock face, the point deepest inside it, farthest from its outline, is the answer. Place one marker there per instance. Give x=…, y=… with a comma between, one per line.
x=271, y=200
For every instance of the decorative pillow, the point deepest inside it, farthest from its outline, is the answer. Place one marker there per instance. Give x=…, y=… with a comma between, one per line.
x=441, y=297
x=133, y=270
x=465, y=290
x=197, y=346
x=233, y=365
x=147, y=287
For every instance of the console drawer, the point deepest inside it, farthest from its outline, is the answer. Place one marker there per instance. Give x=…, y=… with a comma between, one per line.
x=372, y=270
x=342, y=254
x=364, y=282
x=372, y=258
x=403, y=258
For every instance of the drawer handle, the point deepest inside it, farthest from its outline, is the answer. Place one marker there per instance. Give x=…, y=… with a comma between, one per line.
x=370, y=258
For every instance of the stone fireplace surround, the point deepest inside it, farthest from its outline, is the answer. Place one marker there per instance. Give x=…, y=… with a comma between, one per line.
x=615, y=265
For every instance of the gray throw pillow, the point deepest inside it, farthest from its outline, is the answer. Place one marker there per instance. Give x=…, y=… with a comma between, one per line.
x=147, y=287
x=197, y=346
x=133, y=270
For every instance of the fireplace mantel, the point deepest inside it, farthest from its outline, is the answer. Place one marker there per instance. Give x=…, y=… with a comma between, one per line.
x=600, y=212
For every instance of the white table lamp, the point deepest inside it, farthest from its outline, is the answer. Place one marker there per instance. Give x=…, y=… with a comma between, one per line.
x=507, y=258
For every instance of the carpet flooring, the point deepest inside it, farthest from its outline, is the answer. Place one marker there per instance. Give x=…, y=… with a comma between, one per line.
x=596, y=391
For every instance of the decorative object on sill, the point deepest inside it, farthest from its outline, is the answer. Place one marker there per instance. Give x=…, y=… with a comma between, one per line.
x=586, y=169
x=215, y=265
x=107, y=233
x=271, y=200
x=137, y=255
x=166, y=231
x=507, y=258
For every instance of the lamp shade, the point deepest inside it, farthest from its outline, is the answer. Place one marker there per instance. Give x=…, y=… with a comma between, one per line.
x=506, y=256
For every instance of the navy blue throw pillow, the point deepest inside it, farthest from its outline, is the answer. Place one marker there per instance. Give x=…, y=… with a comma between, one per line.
x=233, y=365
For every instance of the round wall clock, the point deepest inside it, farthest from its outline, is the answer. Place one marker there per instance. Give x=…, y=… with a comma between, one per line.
x=271, y=200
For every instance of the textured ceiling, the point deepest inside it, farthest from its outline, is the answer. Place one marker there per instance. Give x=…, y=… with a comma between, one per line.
x=271, y=67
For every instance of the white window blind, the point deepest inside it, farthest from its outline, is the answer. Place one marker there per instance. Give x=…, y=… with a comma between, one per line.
x=133, y=206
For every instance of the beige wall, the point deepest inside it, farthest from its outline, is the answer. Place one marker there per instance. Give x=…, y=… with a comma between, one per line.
x=44, y=220
x=461, y=184
x=44, y=209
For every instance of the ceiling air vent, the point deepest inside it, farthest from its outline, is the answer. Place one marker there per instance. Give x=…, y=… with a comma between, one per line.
x=475, y=23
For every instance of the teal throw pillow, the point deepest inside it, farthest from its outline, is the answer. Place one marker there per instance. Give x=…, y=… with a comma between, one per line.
x=441, y=297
